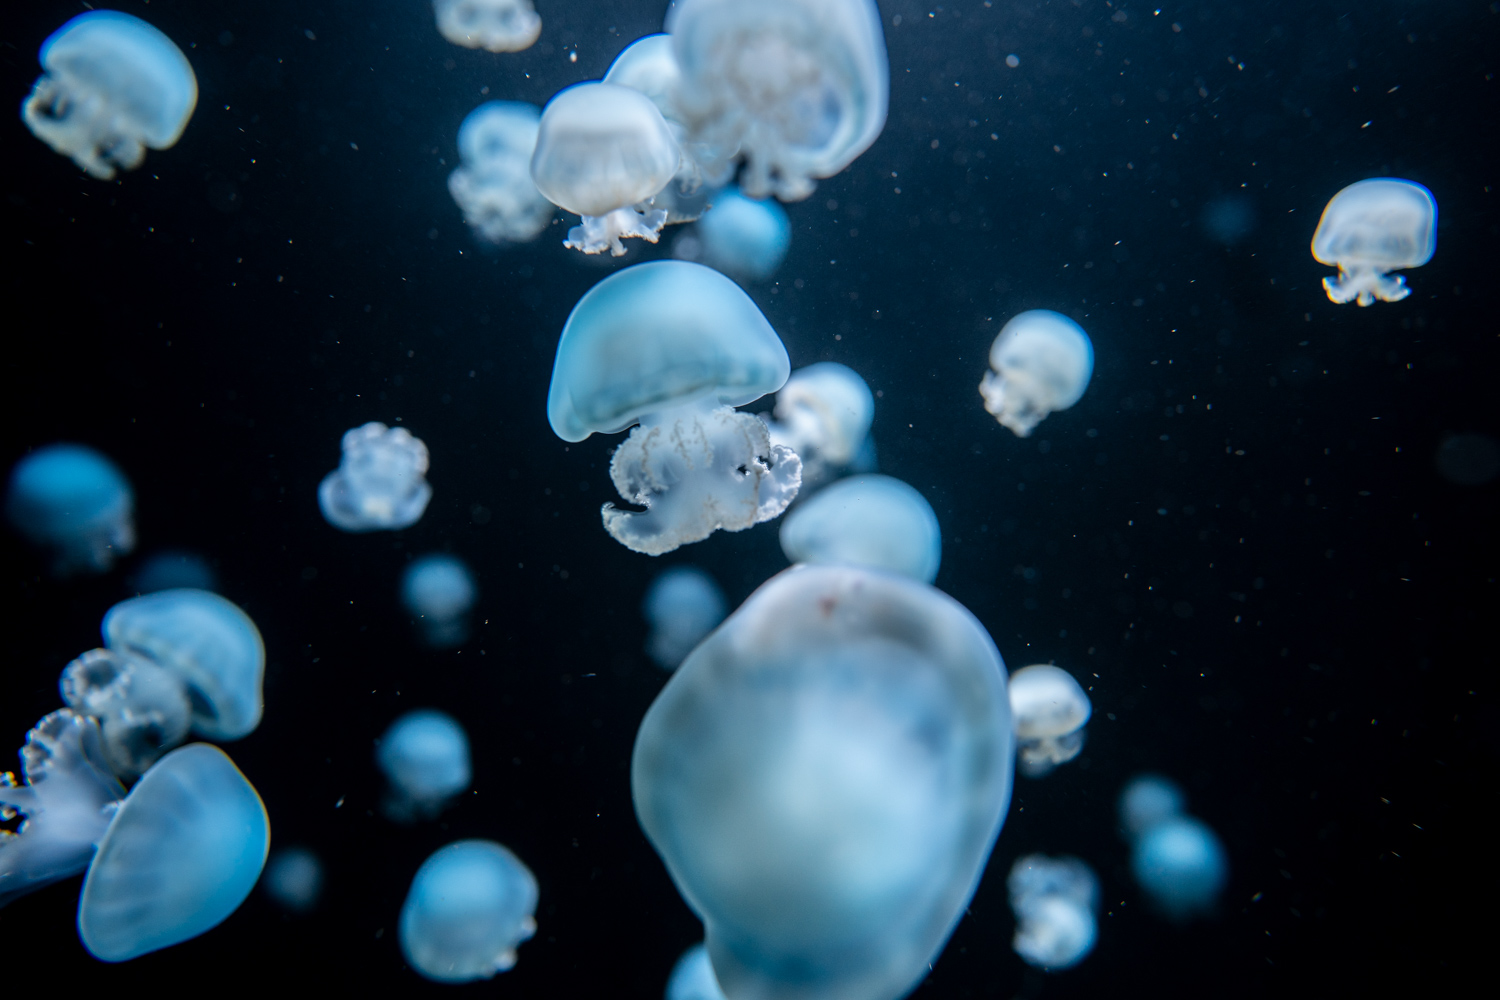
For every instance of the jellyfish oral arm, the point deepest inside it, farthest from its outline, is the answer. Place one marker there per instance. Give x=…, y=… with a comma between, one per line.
x=1010, y=404
x=604, y=232
x=1365, y=283
x=81, y=126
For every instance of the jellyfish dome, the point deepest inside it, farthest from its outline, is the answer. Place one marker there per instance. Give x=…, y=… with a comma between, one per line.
x=493, y=25
x=294, y=879
x=469, y=907
x=1055, y=901
x=1371, y=228
x=744, y=237
x=439, y=590
x=75, y=503
x=173, y=570
x=381, y=482
x=493, y=187
x=672, y=346
x=142, y=709
x=824, y=777
x=823, y=413
x=693, y=977
x=1181, y=865
x=1042, y=363
x=1050, y=709
x=1147, y=800
x=873, y=521
x=425, y=757
x=683, y=605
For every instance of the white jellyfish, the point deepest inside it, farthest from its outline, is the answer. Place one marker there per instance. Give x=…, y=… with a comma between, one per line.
x=1176, y=859
x=1050, y=709
x=294, y=879
x=439, y=591
x=425, y=758
x=673, y=346
x=1371, y=228
x=873, y=521
x=469, y=907
x=693, y=977
x=824, y=778
x=1055, y=901
x=142, y=709
x=683, y=605
x=823, y=413
x=493, y=25
x=380, y=484
x=1042, y=362
x=743, y=237
x=76, y=504
x=493, y=186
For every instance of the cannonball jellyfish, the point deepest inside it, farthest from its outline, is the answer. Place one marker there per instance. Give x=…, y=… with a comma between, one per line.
x=493, y=25
x=1181, y=865
x=74, y=503
x=682, y=606
x=1371, y=228
x=142, y=709
x=1055, y=900
x=1147, y=800
x=493, y=186
x=823, y=413
x=470, y=906
x=1050, y=709
x=744, y=237
x=693, y=977
x=173, y=570
x=381, y=482
x=425, y=758
x=439, y=591
x=1041, y=363
x=873, y=521
x=294, y=879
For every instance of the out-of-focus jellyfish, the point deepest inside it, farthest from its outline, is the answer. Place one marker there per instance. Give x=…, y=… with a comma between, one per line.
x=493, y=25
x=1371, y=228
x=673, y=346
x=439, y=590
x=797, y=89
x=824, y=777
x=1050, y=709
x=142, y=708
x=1469, y=459
x=493, y=187
x=823, y=413
x=873, y=521
x=381, y=482
x=693, y=977
x=172, y=570
x=294, y=879
x=1042, y=362
x=1148, y=800
x=181, y=855
x=743, y=237
x=469, y=907
x=113, y=85
x=1228, y=220
x=425, y=757
x=602, y=153
x=1176, y=859
x=76, y=504
x=683, y=605
x=1055, y=900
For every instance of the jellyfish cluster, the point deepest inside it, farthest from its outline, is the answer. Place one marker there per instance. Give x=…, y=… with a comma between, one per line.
x=75, y=504
x=381, y=482
x=1177, y=860
x=1056, y=902
x=1050, y=709
x=493, y=186
x=683, y=605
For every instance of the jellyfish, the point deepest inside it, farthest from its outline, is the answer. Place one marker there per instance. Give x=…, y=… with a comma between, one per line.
x=469, y=907
x=602, y=153
x=493, y=187
x=1055, y=901
x=1369, y=229
x=380, y=484
x=873, y=521
x=798, y=90
x=823, y=413
x=1176, y=859
x=824, y=778
x=743, y=237
x=73, y=502
x=1147, y=800
x=1050, y=710
x=683, y=605
x=294, y=879
x=693, y=977
x=173, y=570
x=439, y=590
x=180, y=856
x=1042, y=362
x=113, y=85
x=425, y=757
x=142, y=709
x=673, y=346
x=493, y=25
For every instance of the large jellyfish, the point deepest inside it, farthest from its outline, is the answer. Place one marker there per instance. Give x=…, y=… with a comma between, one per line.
x=1050, y=709
x=294, y=879
x=823, y=413
x=873, y=521
x=693, y=977
x=493, y=187
x=425, y=757
x=824, y=777
x=673, y=346
x=76, y=504
x=798, y=88
x=1055, y=901
x=1371, y=228
x=142, y=709
x=683, y=605
x=493, y=25
x=1176, y=859
x=439, y=590
x=743, y=237
x=469, y=907
x=381, y=482
x=113, y=86
x=1042, y=362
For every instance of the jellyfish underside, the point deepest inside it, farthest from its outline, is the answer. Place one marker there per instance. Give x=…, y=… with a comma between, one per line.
x=1054, y=902
x=493, y=25
x=1050, y=709
x=380, y=483
x=493, y=185
x=143, y=710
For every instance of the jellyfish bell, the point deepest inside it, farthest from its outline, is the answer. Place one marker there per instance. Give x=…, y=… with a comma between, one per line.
x=142, y=709
x=76, y=504
x=873, y=521
x=693, y=977
x=1371, y=228
x=1054, y=900
x=439, y=591
x=470, y=906
x=493, y=185
x=649, y=66
x=1181, y=865
x=1041, y=362
x=1050, y=709
x=425, y=757
x=744, y=237
x=380, y=484
x=683, y=605
x=492, y=25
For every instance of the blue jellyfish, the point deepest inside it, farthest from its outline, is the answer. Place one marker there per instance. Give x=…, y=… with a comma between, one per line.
x=873, y=521
x=1370, y=229
x=469, y=907
x=493, y=187
x=425, y=757
x=1176, y=859
x=294, y=879
x=142, y=709
x=380, y=484
x=1050, y=710
x=743, y=237
x=439, y=590
x=673, y=346
x=1148, y=800
x=492, y=25
x=683, y=605
x=1055, y=901
x=824, y=778
x=693, y=977
x=173, y=570
x=113, y=85
x=823, y=413
x=1042, y=362
x=76, y=504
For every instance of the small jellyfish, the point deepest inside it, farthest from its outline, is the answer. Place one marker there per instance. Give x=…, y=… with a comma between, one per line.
x=1050, y=709
x=439, y=590
x=745, y=238
x=142, y=709
x=1055, y=901
x=1042, y=362
x=493, y=25
x=823, y=413
x=76, y=504
x=469, y=907
x=493, y=187
x=1148, y=800
x=380, y=484
x=873, y=521
x=673, y=346
x=693, y=977
x=294, y=879
x=173, y=570
x=602, y=153
x=683, y=605
x=113, y=85
x=1371, y=228
x=1176, y=859
x=425, y=757
x=824, y=778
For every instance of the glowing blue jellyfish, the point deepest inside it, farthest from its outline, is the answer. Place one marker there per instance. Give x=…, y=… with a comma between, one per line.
x=740, y=236
x=425, y=757
x=673, y=346
x=873, y=521
x=693, y=977
x=1042, y=363
x=493, y=187
x=173, y=570
x=1050, y=709
x=75, y=503
x=439, y=590
x=824, y=777
x=380, y=484
x=1176, y=859
x=113, y=85
x=1371, y=228
x=683, y=605
x=1055, y=901
x=294, y=879
x=142, y=709
x=823, y=413
x=469, y=907
x=493, y=25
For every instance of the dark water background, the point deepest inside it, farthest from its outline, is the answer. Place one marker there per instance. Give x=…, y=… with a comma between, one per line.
x=216, y=320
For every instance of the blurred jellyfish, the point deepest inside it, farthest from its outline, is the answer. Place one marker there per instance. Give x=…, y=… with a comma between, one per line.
x=173, y=570
x=693, y=977
x=75, y=503
x=142, y=709
x=439, y=590
x=425, y=757
x=470, y=905
x=493, y=187
x=1176, y=859
x=683, y=605
x=1371, y=228
x=1228, y=220
x=494, y=25
x=673, y=346
x=380, y=483
x=823, y=413
x=1042, y=362
x=294, y=879
x=742, y=237
x=798, y=89
x=1148, y=800
x=1050, y=710
x=1469, y=459
x=824, y=777
x=113, y=86
x=872, y=521
x=1055, y=901
x=602, y=153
